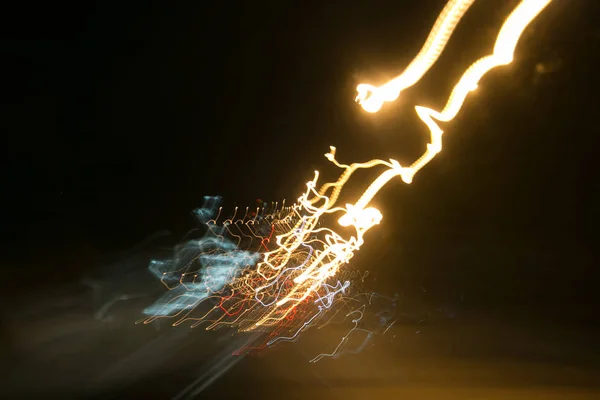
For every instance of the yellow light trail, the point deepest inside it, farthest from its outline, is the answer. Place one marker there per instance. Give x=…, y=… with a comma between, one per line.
x=307, y=256
x=503, y=54
x=371, y=98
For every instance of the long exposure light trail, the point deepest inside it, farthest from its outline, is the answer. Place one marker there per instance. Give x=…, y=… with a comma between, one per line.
x=283, y=269
x=372, y=98
x=503, y=54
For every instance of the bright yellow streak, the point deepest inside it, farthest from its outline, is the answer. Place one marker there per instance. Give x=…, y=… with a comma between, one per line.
x=329, y=250
x=503, y=54
x=371, y=98
x=338, y=251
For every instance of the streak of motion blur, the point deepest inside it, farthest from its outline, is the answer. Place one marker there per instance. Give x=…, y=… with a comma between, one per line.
x=284, y=269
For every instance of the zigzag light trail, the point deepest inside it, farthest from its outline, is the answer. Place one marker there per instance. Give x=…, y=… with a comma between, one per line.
x=503, y=54
x=294, y=282
x=359, y=215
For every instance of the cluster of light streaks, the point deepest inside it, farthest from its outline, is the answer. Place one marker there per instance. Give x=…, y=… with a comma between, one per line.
x=283, y=271
x=218, y=280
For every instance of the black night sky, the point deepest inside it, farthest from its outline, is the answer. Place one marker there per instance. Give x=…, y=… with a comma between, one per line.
x=118, y=118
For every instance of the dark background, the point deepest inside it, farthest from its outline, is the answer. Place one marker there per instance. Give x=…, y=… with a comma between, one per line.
x=119, y=118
